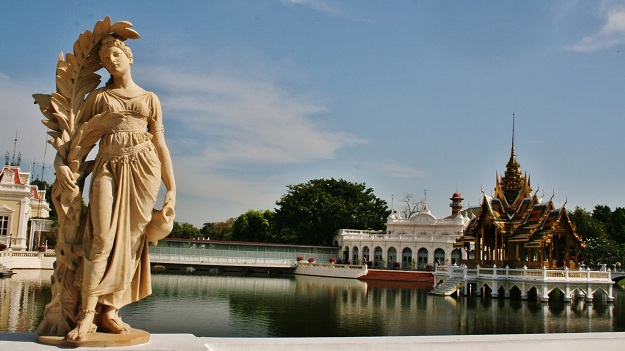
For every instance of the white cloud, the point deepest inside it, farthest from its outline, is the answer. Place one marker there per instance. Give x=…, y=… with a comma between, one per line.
x=318, y=5
x=22, y=118
x=231, y=130
x=327, y=8
x=611, y=34
x=235, y=120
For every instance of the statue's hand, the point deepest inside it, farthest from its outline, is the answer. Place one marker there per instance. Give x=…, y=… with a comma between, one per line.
x=170, y=199
x=65, y=178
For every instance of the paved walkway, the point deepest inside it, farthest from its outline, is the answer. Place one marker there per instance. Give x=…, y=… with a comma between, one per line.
x=521, y=342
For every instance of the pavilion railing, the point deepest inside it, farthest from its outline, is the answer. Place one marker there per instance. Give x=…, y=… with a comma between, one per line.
x=529, y=274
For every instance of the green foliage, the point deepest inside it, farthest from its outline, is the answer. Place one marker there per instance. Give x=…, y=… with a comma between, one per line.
x=311, y=213
x=218, y=230
x=587, y=226
x=185, y=231
x=617, y=221
x=253, y=226
x=603, y=251
x=604, y=234
x=613, y=221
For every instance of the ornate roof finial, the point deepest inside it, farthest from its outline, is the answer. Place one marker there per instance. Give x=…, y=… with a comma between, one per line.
x=512, y=151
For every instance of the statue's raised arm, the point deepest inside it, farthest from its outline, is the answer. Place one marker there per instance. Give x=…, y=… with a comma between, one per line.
x=102, y=256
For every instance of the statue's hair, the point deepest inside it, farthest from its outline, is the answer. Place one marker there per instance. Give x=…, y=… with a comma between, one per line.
x=111, y=41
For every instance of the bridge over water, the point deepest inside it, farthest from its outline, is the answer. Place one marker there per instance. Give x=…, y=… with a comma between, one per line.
x=200, y=259
x=618, y=276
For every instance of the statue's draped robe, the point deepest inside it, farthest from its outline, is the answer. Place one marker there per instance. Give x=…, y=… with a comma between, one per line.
x=124, y=185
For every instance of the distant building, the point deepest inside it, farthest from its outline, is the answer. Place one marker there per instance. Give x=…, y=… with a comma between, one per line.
x=408, y=243
x=516, y=228
x=19, y=203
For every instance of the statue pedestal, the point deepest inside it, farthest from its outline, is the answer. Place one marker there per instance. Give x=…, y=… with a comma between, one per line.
x=134, y=337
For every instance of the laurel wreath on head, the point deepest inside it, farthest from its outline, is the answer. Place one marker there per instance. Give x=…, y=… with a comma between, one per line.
x=72, y=128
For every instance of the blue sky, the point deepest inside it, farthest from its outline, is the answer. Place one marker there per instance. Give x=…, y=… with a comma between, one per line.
x=405, y=96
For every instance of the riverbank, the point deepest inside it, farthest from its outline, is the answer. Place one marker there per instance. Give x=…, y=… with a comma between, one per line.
x=511, y=342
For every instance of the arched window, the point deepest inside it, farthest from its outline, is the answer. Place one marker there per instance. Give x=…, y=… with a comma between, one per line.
x=377, y=257
x=392, y=257
x=365, y=255
x=406, y=258
x=439, y=256
x=346, y=254
x=355, y=257
x=455, y=256
x=422, y=258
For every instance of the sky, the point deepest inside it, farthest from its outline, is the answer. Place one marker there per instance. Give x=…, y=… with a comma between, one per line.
x=408, y=97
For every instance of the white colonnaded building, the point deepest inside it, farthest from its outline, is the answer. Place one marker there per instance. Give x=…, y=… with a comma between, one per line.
x=415, y=243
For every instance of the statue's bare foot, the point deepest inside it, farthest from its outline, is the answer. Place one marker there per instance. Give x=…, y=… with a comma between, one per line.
x=84, y=326
x=112, y=323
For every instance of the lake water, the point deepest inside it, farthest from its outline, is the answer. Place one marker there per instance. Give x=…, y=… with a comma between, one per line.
x=299, y=306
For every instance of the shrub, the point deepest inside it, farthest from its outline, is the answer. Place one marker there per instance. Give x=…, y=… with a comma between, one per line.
x=3, y=247
x=300, y=258
x=332, y=260
x=311, y=260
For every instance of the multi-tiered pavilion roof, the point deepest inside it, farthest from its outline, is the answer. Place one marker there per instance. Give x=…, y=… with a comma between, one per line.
x=515, y=227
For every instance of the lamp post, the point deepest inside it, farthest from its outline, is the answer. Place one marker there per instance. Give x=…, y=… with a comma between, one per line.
x=10, y=235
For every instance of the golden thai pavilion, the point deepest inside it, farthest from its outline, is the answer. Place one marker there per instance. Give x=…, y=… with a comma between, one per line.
x=516, y=228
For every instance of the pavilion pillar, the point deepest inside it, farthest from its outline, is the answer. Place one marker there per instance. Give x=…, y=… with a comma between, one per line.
x=544, y=293
x=588, y=293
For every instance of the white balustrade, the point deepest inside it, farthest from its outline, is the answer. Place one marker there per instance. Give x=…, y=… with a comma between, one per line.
x=538, y=275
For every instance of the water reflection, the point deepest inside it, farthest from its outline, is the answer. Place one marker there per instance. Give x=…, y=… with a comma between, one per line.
x=22, y=300
x=298, y=306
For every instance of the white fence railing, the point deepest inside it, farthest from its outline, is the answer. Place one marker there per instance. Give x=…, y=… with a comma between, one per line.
x=220, y=257
x=543, y=274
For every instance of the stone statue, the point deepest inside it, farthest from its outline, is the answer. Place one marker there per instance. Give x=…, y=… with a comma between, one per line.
x=102, y=255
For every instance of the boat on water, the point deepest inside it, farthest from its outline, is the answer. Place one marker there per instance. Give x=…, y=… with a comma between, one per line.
x=6, y=273
x=331, y=270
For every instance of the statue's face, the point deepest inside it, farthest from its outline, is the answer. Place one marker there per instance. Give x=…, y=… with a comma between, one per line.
x=115, y=61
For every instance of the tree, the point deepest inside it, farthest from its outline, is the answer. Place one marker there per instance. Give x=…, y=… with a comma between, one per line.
x=218, y=230
x=311, y=213
x=253, y=226
x=411, y=206
x=185, y=231
x=603, y=251
x=587, y=226
x=617, y=221
x=599, y=231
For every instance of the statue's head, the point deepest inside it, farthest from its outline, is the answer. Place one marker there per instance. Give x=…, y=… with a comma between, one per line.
x=110, y=41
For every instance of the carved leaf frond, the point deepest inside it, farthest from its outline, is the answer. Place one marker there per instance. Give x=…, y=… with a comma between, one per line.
x=43, y=100
x=54, y=135
x=124, y=31
x=102, y=28
x=58, y=145
x=51, y=124
x=63, y=82
x=86, y=137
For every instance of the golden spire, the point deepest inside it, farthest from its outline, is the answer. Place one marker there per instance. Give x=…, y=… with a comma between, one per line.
x=512, y=181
